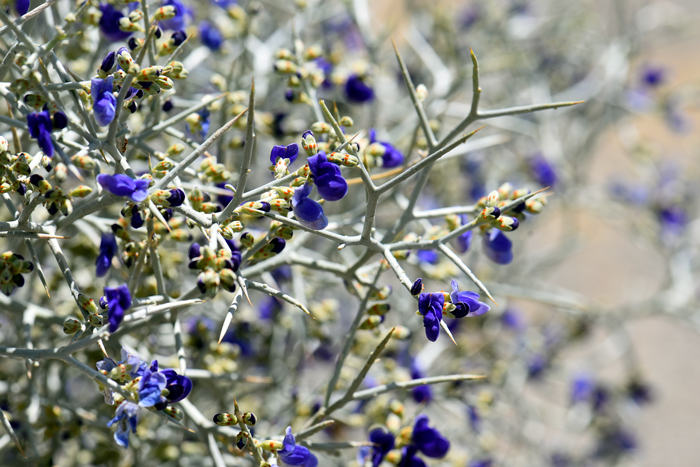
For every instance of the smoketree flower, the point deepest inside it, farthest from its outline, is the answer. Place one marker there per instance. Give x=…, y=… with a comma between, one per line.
x=653, y=76
x=211, y=36
x=392, y=157
x=123, y=185
x=428, y=440
x=104, y=102
x=40, y=127
x=108, y=248
x=284, y=152
x=327, y=178
x=430, y=306
x=127, y=416
x=383, y=443
x=22, y=7
x=464, y=241
x=308, y=212
x=467, y=303
x=356, y=90
x=294, y=455
x=197, y=125
x=151, y=386
x=178, y=386
x=119, y=300
x=582, y=388
x=421, y=394
x=542, y=171
x=498, y=247
x=109, y=23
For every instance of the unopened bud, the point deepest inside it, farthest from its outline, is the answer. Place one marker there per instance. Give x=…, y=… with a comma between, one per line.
x=225, y=419
x=72, y=325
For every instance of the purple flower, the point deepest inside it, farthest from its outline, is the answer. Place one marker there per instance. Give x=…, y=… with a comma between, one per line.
x=108, y=248
x=474, y=418
x=151, y=385
x=269, y=307
x=109, y=23
x=308, y=212
x=127, y=416
x=105, y=104
x=428, y=440
x=40, y=127
x=653, y=76
x=182, y=16
x=295, y=455
x=464, y=241
x=430, y=306
x=22, y=7
x=211, y=36
x=123, y=185
x=383, y=443
x=421, y=394
x=582, y=388
x=542, y=171
x=284, y=152
x=108, y=62
x=179, y=386
x=327, y=178
x=467, y=303
x=498, y=247
x=118, y=300
x=428, y=256
x=357, y=91
x=392, y=157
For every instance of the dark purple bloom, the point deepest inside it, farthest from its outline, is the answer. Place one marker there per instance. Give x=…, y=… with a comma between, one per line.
x=428, y=256
x=428, y=440
x=653, y=76
x=357, y=91
x=430, y=306
x=108, y=248
x=109, y=23
x=421, y=394
x=639, y=392
x=417, y=287
x=326, y=175
x=513, y=319
x=118, y=300
x=542, y=171
x=308, y=212
x=194, y=251
x=294, y=455
x=327, y=68
x=178, y=37
x=498, y=247
x=127, y=417
x=105, y=104
x=177, y=197
x=182, y=16
x=22, y=7
x=60, y=121
x=467, y=303
x=211, y=36
x=168, y=105
x=278, y=244
x=40, y=127
x=464, y=241
x=383, y=443
x=284, y=152
x=179, y=386
x=151, y=385
x=108, y=62
x=392, y=157
x=123, y=185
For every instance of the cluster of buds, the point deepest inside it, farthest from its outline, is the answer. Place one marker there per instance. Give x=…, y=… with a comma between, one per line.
x=131, y=23
x=247, y=418
x=54, y=198
x=88, y=305
x=12, y=266
x=217, y=269
x=201, y=201
x=169, y=46
x=299, y=69
x=492, y=205
x=279, y=199
x=213, y=171
x=173, y=151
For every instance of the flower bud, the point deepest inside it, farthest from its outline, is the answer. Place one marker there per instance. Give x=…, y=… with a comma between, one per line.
x=225, y=419
x=346, y=160
x=272, y=445
x=490, y=213
x=401, y=333
x=284, y=54
x=321, y=127
x=164, y=13
x=371, y=322
x=346, y=121
x=95, y=319
x=379, y=309
x=421, y=92
x=174, y=412
x=417, y=287
x=492, y=199
x=249, y=418
x=241, y=440
x=535, y=205
x=87, y=303
x=80, y=192
x=507, y=224
x=308, y=142
x=247, y=240
x=381, y=294
x=72, y=325
x=285, y=67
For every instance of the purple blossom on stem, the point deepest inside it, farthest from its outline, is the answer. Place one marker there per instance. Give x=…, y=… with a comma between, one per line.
x=308, y=212
x=40, y=127
x=109, y=23
x=357, y=91
x=498, y=247
x=430, y=306
x=119, y=300
x=105, y=104
x=467, y=303
x=327, y=178
x=108, y=248
x=294, y=455
x=127, y=416
x=123, y=185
